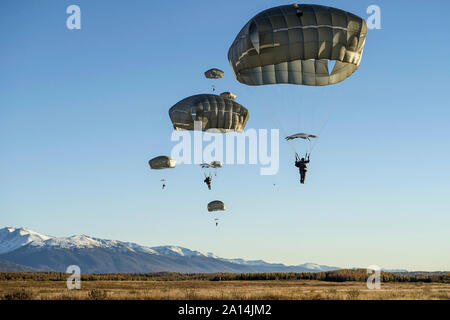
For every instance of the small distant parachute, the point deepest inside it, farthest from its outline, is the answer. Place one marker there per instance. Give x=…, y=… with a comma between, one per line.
x=214, y=73
x=216, y=205
x=162, y=162
x=210, y=169
x=214, y=164
x=295, y=43
x=228, y=95
x=305, y=136
x=215, y=112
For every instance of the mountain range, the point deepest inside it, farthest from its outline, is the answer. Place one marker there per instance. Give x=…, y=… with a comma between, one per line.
x=22, y=249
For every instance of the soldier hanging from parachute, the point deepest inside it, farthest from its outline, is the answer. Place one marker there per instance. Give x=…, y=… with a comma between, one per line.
x=162, y=162
x=301, y=164
x=214, y=73
x=215, y=207
x=208, y=171
x=297, y=44
x=212, y=112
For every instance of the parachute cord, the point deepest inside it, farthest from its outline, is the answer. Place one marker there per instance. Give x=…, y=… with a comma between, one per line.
x=275, y=121
x=319, y=134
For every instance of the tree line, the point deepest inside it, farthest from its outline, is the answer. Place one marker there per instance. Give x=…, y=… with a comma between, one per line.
x=342, y=275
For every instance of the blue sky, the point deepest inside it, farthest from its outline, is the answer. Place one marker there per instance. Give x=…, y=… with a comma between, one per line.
x=82, y=111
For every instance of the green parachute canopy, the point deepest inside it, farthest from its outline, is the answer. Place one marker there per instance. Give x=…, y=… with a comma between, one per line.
x=216, y=205
x=305, y=136
x=214, y=73
x=162, y=162
x=228, y=95
x=215, y=112
x=213, y=164
x=295, y=43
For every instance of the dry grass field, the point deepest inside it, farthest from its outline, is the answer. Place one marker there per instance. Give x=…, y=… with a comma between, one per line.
x=231, y=290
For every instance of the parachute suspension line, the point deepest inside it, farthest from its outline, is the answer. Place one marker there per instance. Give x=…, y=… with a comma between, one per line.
x=299, y=110
x=310, y=146
x=327, y=119
x=278, y=124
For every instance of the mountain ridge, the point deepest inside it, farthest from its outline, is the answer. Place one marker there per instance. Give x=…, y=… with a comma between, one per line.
x=8, y=266
x=94, y=255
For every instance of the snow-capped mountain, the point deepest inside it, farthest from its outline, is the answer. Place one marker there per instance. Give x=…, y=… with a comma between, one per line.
x=12, y=239
x=178, y=251
x=316, y=267
x=29, y=248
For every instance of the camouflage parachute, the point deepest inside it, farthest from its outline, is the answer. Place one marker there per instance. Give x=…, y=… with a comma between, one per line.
x=215, y=112
x=228, y=95
x=213, y=164
x=214, y=73
x=216, y=205
x=294, y=44
x=305, y=136
x=162, y=162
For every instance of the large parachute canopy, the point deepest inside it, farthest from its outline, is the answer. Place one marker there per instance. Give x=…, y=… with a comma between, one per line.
x=305, y=136
x=294, y=44
x=216, y=205
x=228, y=95
x=162, y=162
x=214, y=73
x=215, y=112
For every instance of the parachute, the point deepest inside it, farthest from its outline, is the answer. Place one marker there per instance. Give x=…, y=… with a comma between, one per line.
x=216, y=205
x=210, y=169
x=294, y=44
x=228, y=95
x=215, y=112
x=162, y=162
x=214, y=164
x=305, y=136
x=301, y=44
x=214, y=73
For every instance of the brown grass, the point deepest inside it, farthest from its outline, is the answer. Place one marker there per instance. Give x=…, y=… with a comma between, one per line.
x=230, y=290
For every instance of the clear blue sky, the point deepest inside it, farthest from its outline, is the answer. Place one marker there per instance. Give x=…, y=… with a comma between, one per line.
x=82, y=111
